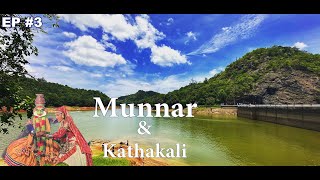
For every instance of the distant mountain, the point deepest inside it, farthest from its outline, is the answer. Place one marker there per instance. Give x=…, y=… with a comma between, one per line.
x=275, y=75
x=58, y=95
x=142, y=97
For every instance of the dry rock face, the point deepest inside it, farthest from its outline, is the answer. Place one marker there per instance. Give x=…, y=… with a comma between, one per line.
x=283, y=75
x=282, y=87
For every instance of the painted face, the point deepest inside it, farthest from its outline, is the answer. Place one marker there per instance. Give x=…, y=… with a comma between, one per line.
x=39, y=110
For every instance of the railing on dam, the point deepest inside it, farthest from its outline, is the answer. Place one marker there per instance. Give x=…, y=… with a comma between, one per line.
x=305, y=116
x=278, y=105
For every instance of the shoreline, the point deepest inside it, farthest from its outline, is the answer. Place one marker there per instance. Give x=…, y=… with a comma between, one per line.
x=71, y=108
x=195, y=111
x=215, y=111
x=96, y=147
x=208, y=111
x=53, y=109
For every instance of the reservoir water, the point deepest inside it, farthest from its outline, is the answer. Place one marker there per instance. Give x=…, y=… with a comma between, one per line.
x=214, y=140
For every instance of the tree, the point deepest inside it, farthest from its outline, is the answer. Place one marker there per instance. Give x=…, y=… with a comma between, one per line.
x=15, y=46
x=192, y=81
x=205, y=81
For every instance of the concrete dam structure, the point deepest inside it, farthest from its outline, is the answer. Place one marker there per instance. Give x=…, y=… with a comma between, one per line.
x=306, y=116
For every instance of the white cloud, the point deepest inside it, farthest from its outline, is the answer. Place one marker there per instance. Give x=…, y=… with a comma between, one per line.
x=243, y=29
x=160, y=55
x=69, y=34
x=82, y=21
x=139, y=30
x=49, y=48
x=166, y=56
x=116, y=85
x=115, y=24
x=104, y=41
x=125, y=86
x=300, y=45
x=191, y=36
x=49, y=55
x=57, y=74
x=74, y=77
x=128, y=69
x=105, y=37
x=63, y=68
x=147, y=34
x=227, y=29
x=46, y=55
x=59, y=70
x=216, y=70
x=110, y=46
x=30, y=69
x=96, y=75
x=169, y=21
x=88, y=51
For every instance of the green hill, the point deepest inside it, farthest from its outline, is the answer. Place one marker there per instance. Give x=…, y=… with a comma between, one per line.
x=142, y=97
x=57, y=94
x=275, y=75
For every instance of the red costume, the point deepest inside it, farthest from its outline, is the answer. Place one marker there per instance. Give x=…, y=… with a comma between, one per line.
x=71, y=139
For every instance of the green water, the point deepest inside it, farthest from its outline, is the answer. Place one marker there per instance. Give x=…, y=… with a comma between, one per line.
x=209, y=140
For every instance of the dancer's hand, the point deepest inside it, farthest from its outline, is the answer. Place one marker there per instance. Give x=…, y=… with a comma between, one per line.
x=40, y=134
x=30, y=127
x=29, y=122
x=48, y=135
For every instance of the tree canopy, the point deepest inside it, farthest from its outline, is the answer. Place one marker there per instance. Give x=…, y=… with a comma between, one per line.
x=16, y=44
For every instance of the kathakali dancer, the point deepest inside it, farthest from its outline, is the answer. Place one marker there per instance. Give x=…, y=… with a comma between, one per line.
x=75, y=151
x=34, y=149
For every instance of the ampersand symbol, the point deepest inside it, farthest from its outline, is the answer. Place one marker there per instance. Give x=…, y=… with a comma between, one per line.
x=143, y=128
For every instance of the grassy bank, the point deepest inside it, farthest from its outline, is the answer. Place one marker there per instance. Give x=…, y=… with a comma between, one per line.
x=102, y=161
x=214, y=111
x=98, y=160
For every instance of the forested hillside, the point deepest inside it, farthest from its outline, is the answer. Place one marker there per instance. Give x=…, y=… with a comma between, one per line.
x=275, y=75
x=142, y=97
x=57, y=94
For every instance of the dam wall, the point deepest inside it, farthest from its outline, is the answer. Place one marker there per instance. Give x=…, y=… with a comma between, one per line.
x=301, y=116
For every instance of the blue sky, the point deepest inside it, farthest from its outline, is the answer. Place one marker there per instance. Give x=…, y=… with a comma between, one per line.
x=121, y=54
